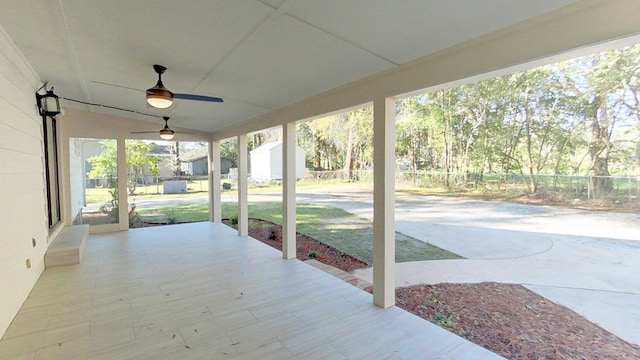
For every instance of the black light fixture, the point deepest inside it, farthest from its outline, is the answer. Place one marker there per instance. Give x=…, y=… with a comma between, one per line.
x=159, y=96
x=166, y=133
x=49, y=103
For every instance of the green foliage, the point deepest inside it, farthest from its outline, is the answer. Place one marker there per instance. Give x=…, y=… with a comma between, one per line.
x=134, y=218
x=447, y=319
x=139, y=162
x=312, y=254
x=111, y=207
x=172, y=218
x=340, y=141
x=234, y=219
x=274, y=233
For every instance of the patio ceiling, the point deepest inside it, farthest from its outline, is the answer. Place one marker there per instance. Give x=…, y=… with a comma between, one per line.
x=260, y=56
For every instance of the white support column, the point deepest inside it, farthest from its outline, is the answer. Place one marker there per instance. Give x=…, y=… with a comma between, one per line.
x=243, y=207
x=384, y=138
x=123, y=205
x=289, y=191
x=215, y=196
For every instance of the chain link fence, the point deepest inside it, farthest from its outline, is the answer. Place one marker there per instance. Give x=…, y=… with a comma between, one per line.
x=151, y=185
x=623, y=187
x=619, y=187
x=569, y=185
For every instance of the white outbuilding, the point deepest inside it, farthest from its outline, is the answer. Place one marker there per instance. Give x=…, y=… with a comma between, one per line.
x=266, y=162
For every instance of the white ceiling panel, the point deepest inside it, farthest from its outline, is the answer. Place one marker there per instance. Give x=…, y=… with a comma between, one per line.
x=404, y=30
x=190, y=38
x=290, y=61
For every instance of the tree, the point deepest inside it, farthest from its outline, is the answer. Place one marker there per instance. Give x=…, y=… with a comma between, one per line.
x=139, y=162
x=605, y=87
x=339, y=141
x=412, y=134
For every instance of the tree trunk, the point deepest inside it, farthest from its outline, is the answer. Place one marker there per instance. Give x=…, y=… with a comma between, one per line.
x=599, y=148
x=348, y=158
x=533, y=183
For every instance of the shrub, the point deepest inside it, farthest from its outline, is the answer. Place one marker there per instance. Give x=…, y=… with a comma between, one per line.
x=274, y=233
x=446, y=319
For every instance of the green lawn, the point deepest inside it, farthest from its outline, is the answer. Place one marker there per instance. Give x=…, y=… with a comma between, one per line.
x=101, y=195
x=332, y=226
x=199, y=186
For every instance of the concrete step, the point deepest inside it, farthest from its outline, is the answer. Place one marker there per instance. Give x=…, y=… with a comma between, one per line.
x=345, y=276
x=67, y=247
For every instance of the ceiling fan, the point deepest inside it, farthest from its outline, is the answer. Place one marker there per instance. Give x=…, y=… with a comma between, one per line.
x=160, y=97
x=166, y=133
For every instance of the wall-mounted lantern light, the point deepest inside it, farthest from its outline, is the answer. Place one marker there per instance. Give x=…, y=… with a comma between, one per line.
x=48, y=104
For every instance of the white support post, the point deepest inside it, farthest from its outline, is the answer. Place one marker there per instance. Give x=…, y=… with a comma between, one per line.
x=243, y=207
x=123, y=190
x=215, y=196
x=384, y=250
x=289, y=191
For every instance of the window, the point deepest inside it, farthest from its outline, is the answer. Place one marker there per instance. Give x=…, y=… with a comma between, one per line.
x=51, y=170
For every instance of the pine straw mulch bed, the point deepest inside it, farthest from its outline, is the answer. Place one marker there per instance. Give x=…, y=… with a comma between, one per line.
x=271, y=234
x=513, y=322
x=507, y=319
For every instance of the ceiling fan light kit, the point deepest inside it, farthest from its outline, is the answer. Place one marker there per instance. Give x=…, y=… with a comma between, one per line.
x=166, y=133
x=159, y=96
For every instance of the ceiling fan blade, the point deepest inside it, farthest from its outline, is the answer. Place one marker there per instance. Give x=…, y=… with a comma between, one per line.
x=144, y=132
x=197, y=97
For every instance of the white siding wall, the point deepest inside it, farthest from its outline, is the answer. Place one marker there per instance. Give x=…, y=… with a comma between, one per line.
x=260, y=165
x=276, y=162
x=266, y=162
x=301, y=162
x=275, y=165
x=22, y=188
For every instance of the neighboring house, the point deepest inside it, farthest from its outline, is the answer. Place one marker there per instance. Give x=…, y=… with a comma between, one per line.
x=166, y=163
x=266, y=162
x=90, y=148
x=200, y=166
x=195, y=167
x=226, y=165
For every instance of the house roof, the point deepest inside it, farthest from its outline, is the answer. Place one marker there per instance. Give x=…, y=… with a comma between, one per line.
x=267, y=147
x=195, y=159
x=159, y=150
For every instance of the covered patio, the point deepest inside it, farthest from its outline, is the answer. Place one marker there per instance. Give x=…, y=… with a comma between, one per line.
x=199, y=291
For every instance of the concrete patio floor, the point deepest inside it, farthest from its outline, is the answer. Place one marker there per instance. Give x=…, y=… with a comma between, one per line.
x=199, y=291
